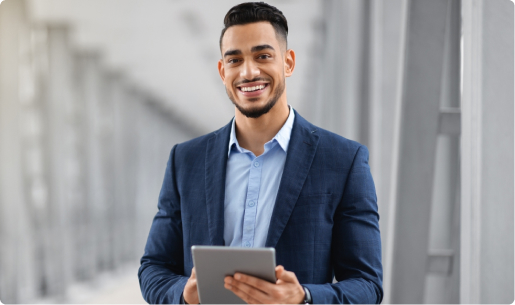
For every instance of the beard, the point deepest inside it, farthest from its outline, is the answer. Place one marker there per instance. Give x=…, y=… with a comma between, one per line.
x=256, y=112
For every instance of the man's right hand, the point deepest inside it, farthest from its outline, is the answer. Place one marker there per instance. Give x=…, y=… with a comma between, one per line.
x=190, y=293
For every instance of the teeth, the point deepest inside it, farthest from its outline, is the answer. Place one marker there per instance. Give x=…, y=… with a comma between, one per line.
x=254, y=88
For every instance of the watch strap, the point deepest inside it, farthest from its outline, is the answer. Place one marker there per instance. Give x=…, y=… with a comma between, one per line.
x=307, y=296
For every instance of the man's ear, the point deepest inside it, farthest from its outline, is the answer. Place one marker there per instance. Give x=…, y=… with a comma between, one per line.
x=289, y=62
x=221, y=70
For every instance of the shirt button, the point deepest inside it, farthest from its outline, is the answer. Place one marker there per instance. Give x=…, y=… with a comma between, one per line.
x=246, y=244
x=252, y=203
x=256, y=164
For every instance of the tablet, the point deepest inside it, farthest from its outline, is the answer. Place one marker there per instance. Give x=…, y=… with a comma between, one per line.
x=214, y=263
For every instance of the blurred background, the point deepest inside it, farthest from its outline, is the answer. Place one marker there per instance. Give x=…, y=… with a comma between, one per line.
x=94, y=94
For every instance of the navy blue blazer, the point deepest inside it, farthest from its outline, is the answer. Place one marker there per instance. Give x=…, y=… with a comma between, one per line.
x=324, y=223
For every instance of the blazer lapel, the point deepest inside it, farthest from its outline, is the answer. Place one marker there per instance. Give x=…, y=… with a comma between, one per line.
x=301, y=151
x=216, y=162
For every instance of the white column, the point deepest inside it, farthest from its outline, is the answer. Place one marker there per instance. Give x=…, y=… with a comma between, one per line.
x=487, y=153
x=18, y=281
x=391, y=25
x=61, y=141
x=342, y=78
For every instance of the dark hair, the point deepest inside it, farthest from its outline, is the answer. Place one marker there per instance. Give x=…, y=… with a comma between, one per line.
x=250, y=12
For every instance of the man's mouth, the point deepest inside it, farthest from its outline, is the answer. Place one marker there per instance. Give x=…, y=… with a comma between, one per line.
x=252, y=88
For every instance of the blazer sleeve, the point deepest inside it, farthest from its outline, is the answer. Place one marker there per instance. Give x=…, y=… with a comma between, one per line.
x=161, y=274
x=356, y=242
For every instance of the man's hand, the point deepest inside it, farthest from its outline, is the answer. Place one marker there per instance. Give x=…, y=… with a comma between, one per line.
x=190, y=293
x=252, y=290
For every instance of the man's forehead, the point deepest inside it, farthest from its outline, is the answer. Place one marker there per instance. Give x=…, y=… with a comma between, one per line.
x=246, y=36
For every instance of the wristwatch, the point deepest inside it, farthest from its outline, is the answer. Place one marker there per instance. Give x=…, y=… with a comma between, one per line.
x=307, y=296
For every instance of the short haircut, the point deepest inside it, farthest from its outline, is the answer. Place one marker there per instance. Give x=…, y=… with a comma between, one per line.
x=250, y=12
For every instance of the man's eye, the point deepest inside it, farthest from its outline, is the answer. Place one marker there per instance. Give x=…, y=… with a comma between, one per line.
x=264, y=56
x=232, y=61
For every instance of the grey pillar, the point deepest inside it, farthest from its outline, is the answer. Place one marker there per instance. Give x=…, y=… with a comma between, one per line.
x=121, y=162
x=146, y=171
x=90, y=81
x=110, y=83
x=416, y=136
x=84, y=239
x=136, y=168
x=442, y=280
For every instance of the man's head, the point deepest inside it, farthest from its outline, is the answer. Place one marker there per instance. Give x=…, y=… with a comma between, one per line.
x=255, y=59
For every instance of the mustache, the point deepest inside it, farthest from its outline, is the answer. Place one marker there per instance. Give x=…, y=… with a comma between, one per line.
x=257, y=79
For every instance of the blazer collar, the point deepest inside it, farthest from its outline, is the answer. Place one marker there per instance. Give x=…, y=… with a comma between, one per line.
x=216, y=165
x=301, y=151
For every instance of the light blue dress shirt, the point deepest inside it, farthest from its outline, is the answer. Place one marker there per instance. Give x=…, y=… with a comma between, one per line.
x=251, y=187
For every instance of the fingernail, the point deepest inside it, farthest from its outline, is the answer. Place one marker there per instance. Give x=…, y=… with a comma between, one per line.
x=237, y=276
x=228, y=280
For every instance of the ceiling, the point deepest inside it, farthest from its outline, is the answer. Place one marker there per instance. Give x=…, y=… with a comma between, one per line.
x=170, y=47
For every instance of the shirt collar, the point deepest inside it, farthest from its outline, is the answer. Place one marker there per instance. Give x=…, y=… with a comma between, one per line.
x=282, y=137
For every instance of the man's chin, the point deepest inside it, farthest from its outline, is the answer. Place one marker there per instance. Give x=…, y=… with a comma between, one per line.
x=254, y=112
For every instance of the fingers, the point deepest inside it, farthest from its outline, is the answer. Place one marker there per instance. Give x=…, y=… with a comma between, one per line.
x=254, y=282
x=245, y=292
x=254, y=290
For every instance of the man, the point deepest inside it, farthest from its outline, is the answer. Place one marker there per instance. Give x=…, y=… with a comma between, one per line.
x=267, y=179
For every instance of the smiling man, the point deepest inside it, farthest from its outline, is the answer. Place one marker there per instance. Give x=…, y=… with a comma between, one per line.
x=268, y=178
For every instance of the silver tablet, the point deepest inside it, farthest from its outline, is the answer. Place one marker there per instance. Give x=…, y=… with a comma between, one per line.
x=214, y=263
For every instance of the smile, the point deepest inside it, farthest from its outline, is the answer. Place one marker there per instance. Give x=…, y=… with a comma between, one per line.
x=253, y=88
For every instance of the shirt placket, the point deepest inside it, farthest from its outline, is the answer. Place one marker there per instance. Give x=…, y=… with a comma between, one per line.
x=251, y=203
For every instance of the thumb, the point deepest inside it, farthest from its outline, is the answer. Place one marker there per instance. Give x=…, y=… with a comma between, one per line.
x=285, y=276
x=279, y=270
x=193, y=273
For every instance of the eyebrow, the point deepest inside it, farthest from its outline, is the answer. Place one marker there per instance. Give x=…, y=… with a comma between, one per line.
x=253, y=49
x=232, y=52
x=261, y=47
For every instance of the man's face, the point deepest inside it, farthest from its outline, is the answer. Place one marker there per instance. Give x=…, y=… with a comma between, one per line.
x=253, y=67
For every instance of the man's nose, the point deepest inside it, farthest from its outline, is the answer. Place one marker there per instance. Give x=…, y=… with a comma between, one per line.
x=249, y=70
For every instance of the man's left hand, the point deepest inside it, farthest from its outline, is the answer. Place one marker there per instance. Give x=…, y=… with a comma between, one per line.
x=287, y=289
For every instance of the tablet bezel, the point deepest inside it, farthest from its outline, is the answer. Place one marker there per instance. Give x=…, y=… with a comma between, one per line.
x=213, y=263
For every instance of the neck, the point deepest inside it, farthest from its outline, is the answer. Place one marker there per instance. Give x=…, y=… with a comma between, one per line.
x=253, y=133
